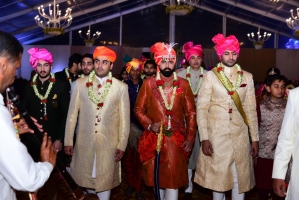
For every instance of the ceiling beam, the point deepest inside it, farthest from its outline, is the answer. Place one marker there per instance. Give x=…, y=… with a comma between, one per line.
x=244, y=21
x=99, y=20
x=294, y=3
x=254, y=10
x=24, y=12
x=77, y=14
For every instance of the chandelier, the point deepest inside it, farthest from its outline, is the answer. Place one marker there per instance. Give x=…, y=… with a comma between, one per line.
x=179, y=7
x=89, y=41
x=54, y=23
x=293, y=22
x=274, y=0
x=259, y=42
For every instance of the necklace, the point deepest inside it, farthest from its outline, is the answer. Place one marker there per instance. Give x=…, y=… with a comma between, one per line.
x=68, y=77
x=188, y=75
x=98, y=101
x=160, y=84
x=43, y=98
x=225, y=80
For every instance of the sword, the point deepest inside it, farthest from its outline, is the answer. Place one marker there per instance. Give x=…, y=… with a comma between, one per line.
x=157, y=164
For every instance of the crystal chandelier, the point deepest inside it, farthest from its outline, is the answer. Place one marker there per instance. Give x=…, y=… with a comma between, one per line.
x=293, y=22
x=54, y=23
x=89, y=41
x=179, y=7
x=259, y=42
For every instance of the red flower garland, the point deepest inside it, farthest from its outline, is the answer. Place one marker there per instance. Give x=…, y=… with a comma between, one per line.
x=219, y=69
x=88, y=84
x=160, y=83
x=168, y=112
x=52, y=80
x=100, y=104
x=44, y=101
x=188, y=75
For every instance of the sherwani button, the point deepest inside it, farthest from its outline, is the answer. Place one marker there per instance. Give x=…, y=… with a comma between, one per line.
x=95, y=124
x=96, y=131
x=96, y=116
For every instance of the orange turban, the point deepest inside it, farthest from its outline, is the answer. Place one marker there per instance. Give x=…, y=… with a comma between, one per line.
x=229, y=43
x=135, y=63
x=104, y=51
x=161, y=50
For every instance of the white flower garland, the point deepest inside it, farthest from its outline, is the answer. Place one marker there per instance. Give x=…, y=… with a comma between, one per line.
x=41, y=97
x=225, y=80
x=199, y=82
x=167, y=105
x=104, y=94
x=66, y=70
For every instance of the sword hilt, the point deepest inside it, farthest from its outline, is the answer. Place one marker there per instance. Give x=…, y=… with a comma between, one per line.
x=160, y=139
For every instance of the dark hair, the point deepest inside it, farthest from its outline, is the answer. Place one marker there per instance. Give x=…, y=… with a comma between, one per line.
x=75, y=58
x=151, y=62
x=274, y=69
x=10, y=46
x=121, y=73
x=88, y=55
x=271, y=78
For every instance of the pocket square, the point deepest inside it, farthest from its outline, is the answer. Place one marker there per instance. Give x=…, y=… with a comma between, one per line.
x=243, y=85
x=55, y=96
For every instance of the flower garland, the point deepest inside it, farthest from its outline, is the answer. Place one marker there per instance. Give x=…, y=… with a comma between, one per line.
x=188, y=75
x=175, y=85
x=68, y=77
x=99, y=102
x=225, y=80
x=43, y=98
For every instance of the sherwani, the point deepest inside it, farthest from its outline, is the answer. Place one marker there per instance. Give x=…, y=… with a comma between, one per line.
x=194, y=79
x=288, y=145
x=227, y=133
x=150, y=108
x=100, y=132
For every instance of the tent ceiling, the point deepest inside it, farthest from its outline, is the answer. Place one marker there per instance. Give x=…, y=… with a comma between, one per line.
x=17, y=16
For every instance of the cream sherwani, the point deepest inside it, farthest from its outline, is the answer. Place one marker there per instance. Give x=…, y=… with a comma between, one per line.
x=100, y=133
x=288, y=145
x=194, y=79
x=227, y=132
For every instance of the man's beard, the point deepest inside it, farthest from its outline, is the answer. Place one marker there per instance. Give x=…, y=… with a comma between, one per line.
x=45, y=75
x=229, y=65
x=149, y=73
x=167, y=72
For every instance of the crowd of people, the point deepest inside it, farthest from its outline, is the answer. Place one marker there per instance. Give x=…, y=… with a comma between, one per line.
x=169, y=128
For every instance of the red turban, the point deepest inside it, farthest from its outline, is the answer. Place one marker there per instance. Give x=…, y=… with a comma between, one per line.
x=190, y=50
x=230, y=43
x=161, y=50
x=39, y=54
x=104, y=51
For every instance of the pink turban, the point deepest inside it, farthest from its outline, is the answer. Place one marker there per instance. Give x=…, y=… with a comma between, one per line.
x=135, y=63
x=230, y=43
x=190, y=50
x=39, y=54
x=161, y=50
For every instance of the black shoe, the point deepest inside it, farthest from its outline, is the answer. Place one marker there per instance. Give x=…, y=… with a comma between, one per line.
x=129, y=191
x=139, y=196
x=187, y=196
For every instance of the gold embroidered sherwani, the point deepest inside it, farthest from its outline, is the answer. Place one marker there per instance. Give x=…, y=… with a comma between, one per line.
x=227, y=132
x=100, y=132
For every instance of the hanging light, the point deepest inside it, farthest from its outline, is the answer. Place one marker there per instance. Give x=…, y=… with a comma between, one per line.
x=89, y=41
x=259, y=42
x=54, y=23
x=179, y=7
x=293, y=22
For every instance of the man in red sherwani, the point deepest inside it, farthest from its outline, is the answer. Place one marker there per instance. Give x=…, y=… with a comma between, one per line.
x=166, y=99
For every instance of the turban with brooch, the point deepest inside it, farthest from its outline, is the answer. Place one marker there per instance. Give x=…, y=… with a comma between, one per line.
x=161, y=51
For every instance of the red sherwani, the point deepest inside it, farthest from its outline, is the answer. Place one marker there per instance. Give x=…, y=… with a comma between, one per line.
x=149, y=108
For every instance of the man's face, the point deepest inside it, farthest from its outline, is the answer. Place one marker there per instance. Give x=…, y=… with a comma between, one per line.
x=195, y=61
x=102, y=66
x=167, y=66
x=149, y=69
x=8, y=71
x=43, y=69
x=229, y=58
x=276, y=89
x=134, y=74
x=87, y=65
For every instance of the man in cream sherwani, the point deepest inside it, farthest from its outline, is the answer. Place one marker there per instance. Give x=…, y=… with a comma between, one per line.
x=287, y=146
x=225, y=160
x=103, y=126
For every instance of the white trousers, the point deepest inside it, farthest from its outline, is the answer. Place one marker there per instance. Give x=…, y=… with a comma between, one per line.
x=169, y=194
x=105, y=195
x=190, y=184
x=235, y=190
